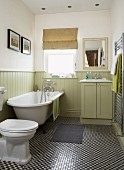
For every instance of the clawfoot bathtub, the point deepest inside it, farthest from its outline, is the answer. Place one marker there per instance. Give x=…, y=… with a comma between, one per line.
x=28, y=106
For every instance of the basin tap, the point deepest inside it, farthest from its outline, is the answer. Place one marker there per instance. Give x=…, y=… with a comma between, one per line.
x=96, y=76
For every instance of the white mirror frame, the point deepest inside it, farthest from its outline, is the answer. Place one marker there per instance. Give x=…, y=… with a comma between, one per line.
x=106, y=53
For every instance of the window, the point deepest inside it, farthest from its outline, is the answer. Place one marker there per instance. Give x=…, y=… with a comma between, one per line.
x=60, y=62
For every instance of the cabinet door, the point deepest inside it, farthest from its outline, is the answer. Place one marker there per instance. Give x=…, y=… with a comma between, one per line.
x=104, y=100
x=88, y=100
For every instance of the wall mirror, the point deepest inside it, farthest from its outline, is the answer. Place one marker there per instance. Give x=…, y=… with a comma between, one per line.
x=95, y=53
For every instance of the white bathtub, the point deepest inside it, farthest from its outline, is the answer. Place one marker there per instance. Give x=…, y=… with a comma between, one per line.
x=28, y=106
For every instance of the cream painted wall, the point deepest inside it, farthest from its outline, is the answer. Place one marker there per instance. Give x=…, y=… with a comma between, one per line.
x=117, y=21
x=19, y=78
x=91, y=24
x=16, y=16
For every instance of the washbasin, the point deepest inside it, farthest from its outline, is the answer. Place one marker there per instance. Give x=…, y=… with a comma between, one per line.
x=95, y=80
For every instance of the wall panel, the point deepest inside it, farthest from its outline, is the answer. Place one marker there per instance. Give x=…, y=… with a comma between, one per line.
x=21, y=82
x=16, y=83
x=70, y=102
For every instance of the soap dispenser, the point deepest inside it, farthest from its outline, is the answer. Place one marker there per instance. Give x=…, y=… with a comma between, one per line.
x=87, y=76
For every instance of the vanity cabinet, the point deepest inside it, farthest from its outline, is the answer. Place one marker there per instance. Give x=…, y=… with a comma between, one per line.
x=96, y=100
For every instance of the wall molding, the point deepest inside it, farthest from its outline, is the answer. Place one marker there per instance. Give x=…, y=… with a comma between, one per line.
x=71, y=113
x=96, y=121
x=5, y=70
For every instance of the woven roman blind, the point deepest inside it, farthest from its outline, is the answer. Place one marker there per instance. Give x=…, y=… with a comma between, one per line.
x=61, y=38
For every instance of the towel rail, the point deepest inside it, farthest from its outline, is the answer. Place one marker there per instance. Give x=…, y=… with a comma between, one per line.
x=122, y=103
x=118, y=45
x=119, y=97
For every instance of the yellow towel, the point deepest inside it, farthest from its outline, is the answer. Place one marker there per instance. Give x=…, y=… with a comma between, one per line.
x=117, y=78
x=56, y=110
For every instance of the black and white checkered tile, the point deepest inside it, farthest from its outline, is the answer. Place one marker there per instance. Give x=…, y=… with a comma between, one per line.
x=100, y=150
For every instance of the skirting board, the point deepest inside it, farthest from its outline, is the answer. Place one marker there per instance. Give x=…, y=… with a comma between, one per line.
x=71, y=113
x=118, y=133
x=121, y=141
x=117, y=129
x=96, y=121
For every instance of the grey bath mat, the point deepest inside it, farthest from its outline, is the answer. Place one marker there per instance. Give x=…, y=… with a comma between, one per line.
x=67, y=133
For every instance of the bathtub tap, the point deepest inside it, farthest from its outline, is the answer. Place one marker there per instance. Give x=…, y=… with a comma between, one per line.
x=46, y=87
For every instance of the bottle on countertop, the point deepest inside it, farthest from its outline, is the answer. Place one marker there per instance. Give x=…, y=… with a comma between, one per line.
x=87, y=76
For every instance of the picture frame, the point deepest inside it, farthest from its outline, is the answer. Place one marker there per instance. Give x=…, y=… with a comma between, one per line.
x=13, y=40
x=25, y=46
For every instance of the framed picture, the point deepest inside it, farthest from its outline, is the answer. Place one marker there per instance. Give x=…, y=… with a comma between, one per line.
x=25, y=46
x=13, y=41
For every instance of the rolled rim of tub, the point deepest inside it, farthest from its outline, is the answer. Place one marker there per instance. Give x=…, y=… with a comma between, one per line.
x=15, y=102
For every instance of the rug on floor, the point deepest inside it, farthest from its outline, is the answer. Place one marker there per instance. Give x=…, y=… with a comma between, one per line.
x=68, y=133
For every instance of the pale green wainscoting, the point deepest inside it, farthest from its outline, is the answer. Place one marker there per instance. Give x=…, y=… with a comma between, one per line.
x=70, y=102
x=16, y=83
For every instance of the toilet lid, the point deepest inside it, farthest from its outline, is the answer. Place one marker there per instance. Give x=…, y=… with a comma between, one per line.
x=14, y=125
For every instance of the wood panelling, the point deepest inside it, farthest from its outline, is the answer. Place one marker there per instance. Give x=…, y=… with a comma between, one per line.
x=20, y=82
x=70, y=103
x=16, y=83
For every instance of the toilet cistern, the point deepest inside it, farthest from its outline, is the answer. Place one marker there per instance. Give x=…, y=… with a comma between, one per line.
x=2, y=91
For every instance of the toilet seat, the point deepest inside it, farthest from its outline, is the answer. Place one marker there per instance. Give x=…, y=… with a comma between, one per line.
x=17, y=125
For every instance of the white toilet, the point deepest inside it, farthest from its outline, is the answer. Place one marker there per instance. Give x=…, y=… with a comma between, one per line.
x=14, y=142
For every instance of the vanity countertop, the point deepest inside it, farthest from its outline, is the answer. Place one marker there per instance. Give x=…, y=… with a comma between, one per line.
x=95, y=81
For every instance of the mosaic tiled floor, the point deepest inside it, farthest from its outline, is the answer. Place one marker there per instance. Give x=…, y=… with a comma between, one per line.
x=100, y=150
